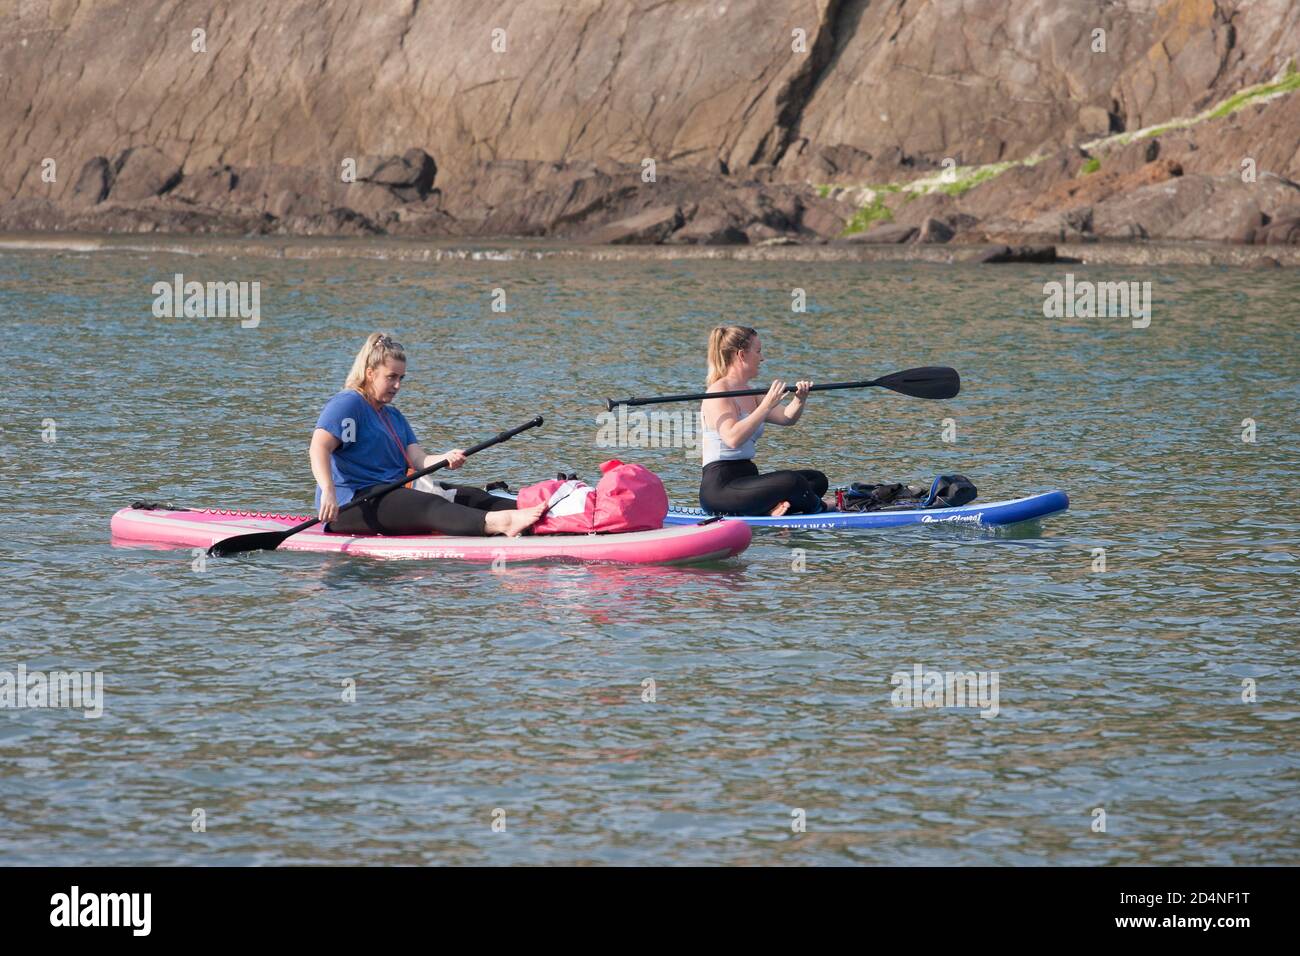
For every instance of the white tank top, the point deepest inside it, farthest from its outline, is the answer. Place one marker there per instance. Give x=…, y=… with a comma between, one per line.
x=715, y=449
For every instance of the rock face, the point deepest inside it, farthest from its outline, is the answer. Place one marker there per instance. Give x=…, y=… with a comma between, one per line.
x=1168, y=187
x=1282, y=230
x=886, y=234
x=142, y=172
x=653, y=225
x=533, y=118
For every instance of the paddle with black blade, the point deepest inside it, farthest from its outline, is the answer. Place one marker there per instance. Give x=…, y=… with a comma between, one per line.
x=270, y=540
x=936, y=382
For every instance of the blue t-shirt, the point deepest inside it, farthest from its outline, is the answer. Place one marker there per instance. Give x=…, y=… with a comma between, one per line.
x=368, y=455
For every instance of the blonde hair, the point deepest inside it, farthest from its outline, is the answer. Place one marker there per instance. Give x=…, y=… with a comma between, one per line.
x=379, y=348
x=725, y=343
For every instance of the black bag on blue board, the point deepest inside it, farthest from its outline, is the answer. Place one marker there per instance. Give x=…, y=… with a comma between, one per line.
x=946, y=491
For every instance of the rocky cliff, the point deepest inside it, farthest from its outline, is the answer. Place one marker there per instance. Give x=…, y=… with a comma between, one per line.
x=654, y=120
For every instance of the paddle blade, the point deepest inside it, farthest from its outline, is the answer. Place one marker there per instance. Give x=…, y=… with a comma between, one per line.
x=932, y=381
x=241, y=543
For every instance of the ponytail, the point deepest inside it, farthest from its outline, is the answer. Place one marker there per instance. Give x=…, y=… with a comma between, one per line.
x=725, y=343
x=379, y=348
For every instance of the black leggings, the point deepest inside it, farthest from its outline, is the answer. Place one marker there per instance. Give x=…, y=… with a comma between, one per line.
x=407, y=511
x=736, y=488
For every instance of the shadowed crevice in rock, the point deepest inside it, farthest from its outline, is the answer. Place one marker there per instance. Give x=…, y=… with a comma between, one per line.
x=410, y=19
x=793, y=97
x=93, y=184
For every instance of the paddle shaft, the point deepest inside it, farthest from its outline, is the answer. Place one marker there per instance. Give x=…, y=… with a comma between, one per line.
x=700, y=396
x=228, y=546
x=917, y=382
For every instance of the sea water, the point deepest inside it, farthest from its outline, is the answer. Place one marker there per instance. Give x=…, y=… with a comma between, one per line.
x=308, y=708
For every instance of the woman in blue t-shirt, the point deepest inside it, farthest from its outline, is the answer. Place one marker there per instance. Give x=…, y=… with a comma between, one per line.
x=362, y=441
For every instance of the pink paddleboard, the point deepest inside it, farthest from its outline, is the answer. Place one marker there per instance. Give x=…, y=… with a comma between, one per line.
x=201, y=529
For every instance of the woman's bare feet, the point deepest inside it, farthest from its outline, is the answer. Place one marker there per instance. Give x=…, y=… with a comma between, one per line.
x=513, y=523
x=781, y=508
x=829, y=503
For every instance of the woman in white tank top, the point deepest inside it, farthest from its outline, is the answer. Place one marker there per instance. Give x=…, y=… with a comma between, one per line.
x=731, y=482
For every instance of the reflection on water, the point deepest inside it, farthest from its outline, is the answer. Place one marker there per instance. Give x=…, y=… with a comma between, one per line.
x=527, y=689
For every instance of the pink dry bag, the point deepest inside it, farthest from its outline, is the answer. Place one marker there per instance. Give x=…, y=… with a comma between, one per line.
x=627, y=498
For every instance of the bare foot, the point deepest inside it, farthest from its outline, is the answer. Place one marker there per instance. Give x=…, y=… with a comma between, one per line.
x=513, y=523
x=830, y=504
x=781, y=508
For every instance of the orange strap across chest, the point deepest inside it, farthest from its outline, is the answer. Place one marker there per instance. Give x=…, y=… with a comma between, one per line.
x=410, y=469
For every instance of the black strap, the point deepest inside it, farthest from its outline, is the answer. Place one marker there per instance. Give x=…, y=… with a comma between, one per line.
x=143, y=505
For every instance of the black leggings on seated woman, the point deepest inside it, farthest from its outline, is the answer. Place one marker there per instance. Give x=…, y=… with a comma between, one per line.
x=737, y=488
x=407, y=511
